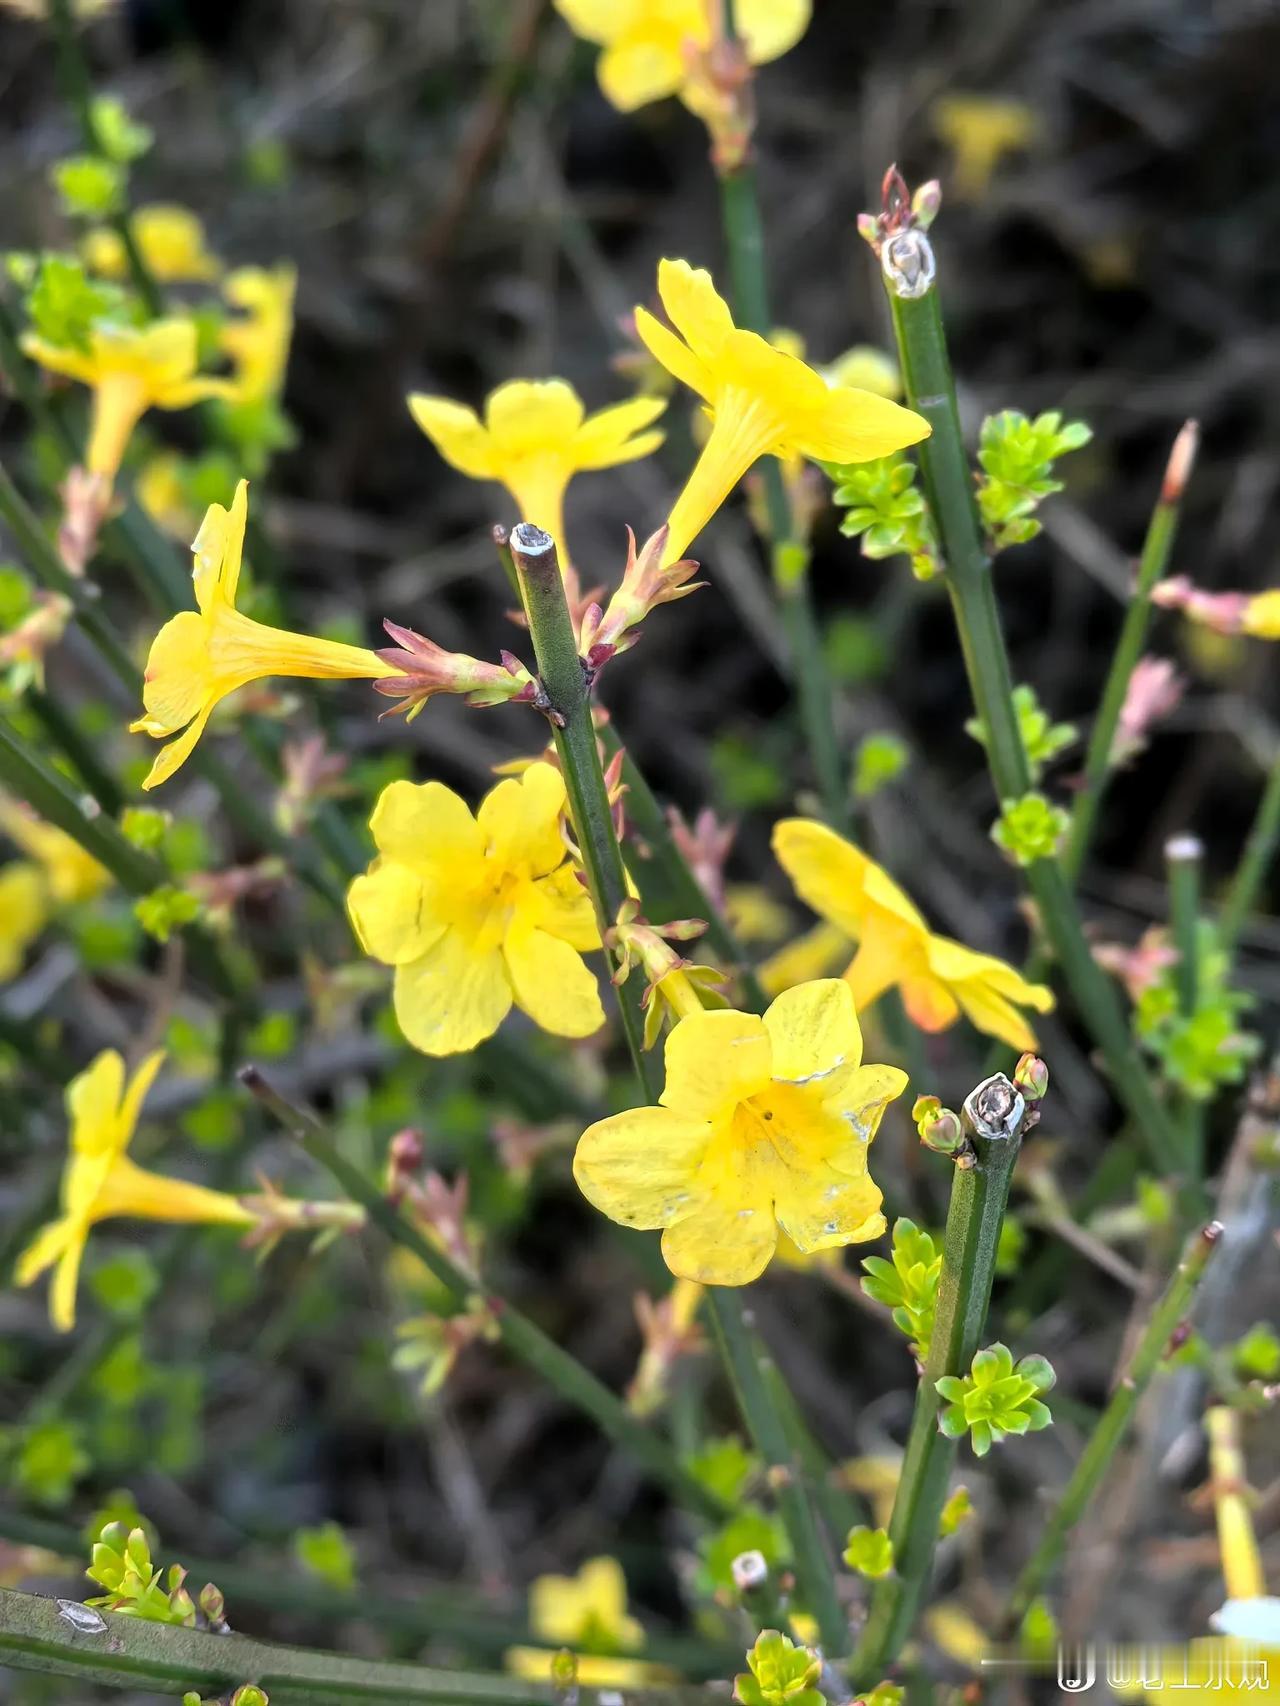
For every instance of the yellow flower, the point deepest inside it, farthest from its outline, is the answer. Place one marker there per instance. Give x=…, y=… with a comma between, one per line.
x=23, y=910
x=754, y=915
x=1261, y=616
x=258, y=342
x=938, y=978
x=587, y=1613
x=763, y=1125
x=476, y=913
x=868, y=369
x=534, y=437
x=130, y=369
x=68, y=872
x=170, y=240
x=818, y=953
x=761, y=401
x=981, y=130
x=200, y=656
x=646, y=42
x=159, y=489
x=101, y=1182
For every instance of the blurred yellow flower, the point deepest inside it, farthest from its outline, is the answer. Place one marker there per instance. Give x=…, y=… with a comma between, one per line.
x=1261, y=616
x=938, y=978
x=258, y=340
x=588, y=1614
x=764, y=1125
x=200, y=656
x=100, y=1181
x=170, y=239
x=866, y=369
x=159, y=489
x=129, y=369
x=535, y=436
x=817, y=953
x=68, y=872
x=23, y=910
x=754, y=915
x=980, y=130
x=761, y=401
x=476, y=913
x=648, y=43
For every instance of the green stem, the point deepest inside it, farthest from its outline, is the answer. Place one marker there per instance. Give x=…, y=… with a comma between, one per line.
x=431, y=1609
x=575, y=1383
x=750, y=1368
x=1255, y=862
x=1182, y=860
x=682, y=895
x=948, y=483
x=568, y=697
x=1156, y=549
x=995, y=1116
x=1105, y=1439
x=66, y=734
x=36, y=1634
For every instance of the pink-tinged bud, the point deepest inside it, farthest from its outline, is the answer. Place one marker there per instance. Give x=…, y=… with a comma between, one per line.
x=1224, y=612
x=705, y=847
x=1181, y=461
x=1154, y=692
x=940, y=1128
x=1031, y=1075
x=1140, y=966
x=646, y=583
x=926, y=203
x=895, y=200
x=423, y=669
x=869, y=229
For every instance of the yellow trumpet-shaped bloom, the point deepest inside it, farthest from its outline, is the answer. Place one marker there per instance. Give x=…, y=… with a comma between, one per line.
x=1261, y=616
x=129, y=369
x=23, y=910
x=761, y=401
x=170, y=240
x=938, y=978
x=588, y=1614
x=535, y=436
x=980, y=130
x=201, y=655
x=648, y=43
x=763, y=1126
x=67, y=871
x=476, y=913
x=100, y=1182
x=258, y=339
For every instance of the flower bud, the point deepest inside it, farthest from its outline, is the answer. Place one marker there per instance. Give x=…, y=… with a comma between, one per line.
x=1031, y=1075
x=926, y=203
x=940, y=1128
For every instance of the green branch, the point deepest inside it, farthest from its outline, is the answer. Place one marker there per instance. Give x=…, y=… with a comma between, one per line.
x=63, y=1638
x=1255, y=862
x=995, y=1115
x=1105, y=1439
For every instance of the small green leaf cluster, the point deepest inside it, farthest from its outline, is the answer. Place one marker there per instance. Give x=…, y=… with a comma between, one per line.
x=325, y=1552
x=165, y=910
x=955, y=1513
x=869, y=1551
x=1256, y=1356
x=1017, y=456
x=880, y=759
x=121, y=138
x=1203, y=1050
x=121, y=1563
x=751, y=1530
x=887, y=512
x=249, y=1694
x=780, y=1673
x=92, y=186
x=45, y=1460
x=1042, y=738
x=724, y=1466
x=995, y=1398
x=64, y=303
x=1029, y=829
x=908, y=1284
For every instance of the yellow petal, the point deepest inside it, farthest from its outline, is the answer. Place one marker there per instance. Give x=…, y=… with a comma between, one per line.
x=604, y=1588
x=176, y=684
x=817, y=952
x=551, y=982
x=386, y=907
x=879, y=963
x=561, y=905
x=529, y=415
x=836, y=878
x=742, y=431
x=609, y=436
x=695, y=307
x=595, y=20
x=452, y=998
x=23, y=910
x=814, y=1030
x=172, y=757
x=824, y=1210
x=929, y=1003
x=119, y=402
x=133, y=1191
x=62, y=1293
x=858, y=1096
x=667, y=350
x=457, y=434
x=994, y=1016
x=857, y=426
x=640, y=69
x=956, y=964
x=520, y=821
x=426, y=826
x=723, y=1242
x=1262, y=615
x=218, y=549
x=771, y=28
x=93, y=1100
x=45, y=1249
x=135, y=1095
x=72, y=363
x=713, y=1061
x=639, y=1167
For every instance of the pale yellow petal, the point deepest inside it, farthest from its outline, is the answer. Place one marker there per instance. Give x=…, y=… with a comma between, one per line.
x=176, y=682
x=824, y=1210
x=814, y=1030
x=609, y=436
x=714, y=1060
x=641, y=68
x=678, y=359
x=132, y=1191
x=135, y=1095
x=387, y=907
x=552, y=983
x=771, y=28
x=836, y=878
x=639, y=1167
x=172, y=757
x=596, y=20
x=457, y=434
x=93, y=1100
x=990, y=1013
x=62, y=1293
x=44, y=1249
x=520, y=821
x=856, y=426
x=528, y=415
x=695, y=308
x=859, y=1095
x=928, y=1001
x=426, y=826
x=723, y=1242
x=562, y=905
x=452, y=998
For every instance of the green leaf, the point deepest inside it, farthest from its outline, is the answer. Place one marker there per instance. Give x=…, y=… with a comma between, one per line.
x=89, y=186
x=64, y=302
x=996, y=1398
x=1029, y=829
x=120, y=137
x=869, y=1551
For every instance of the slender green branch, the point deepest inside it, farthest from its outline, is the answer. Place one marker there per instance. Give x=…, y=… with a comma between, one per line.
x=750, y=1369
x=1255, y=862
x=575, y=1383
x=1105, y=1439
x=568, y=706
x=1183, y=855
x=1156, y=550
x=995, y=1115
x=60, y=1638
x=65, y=733
x=930, y=389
